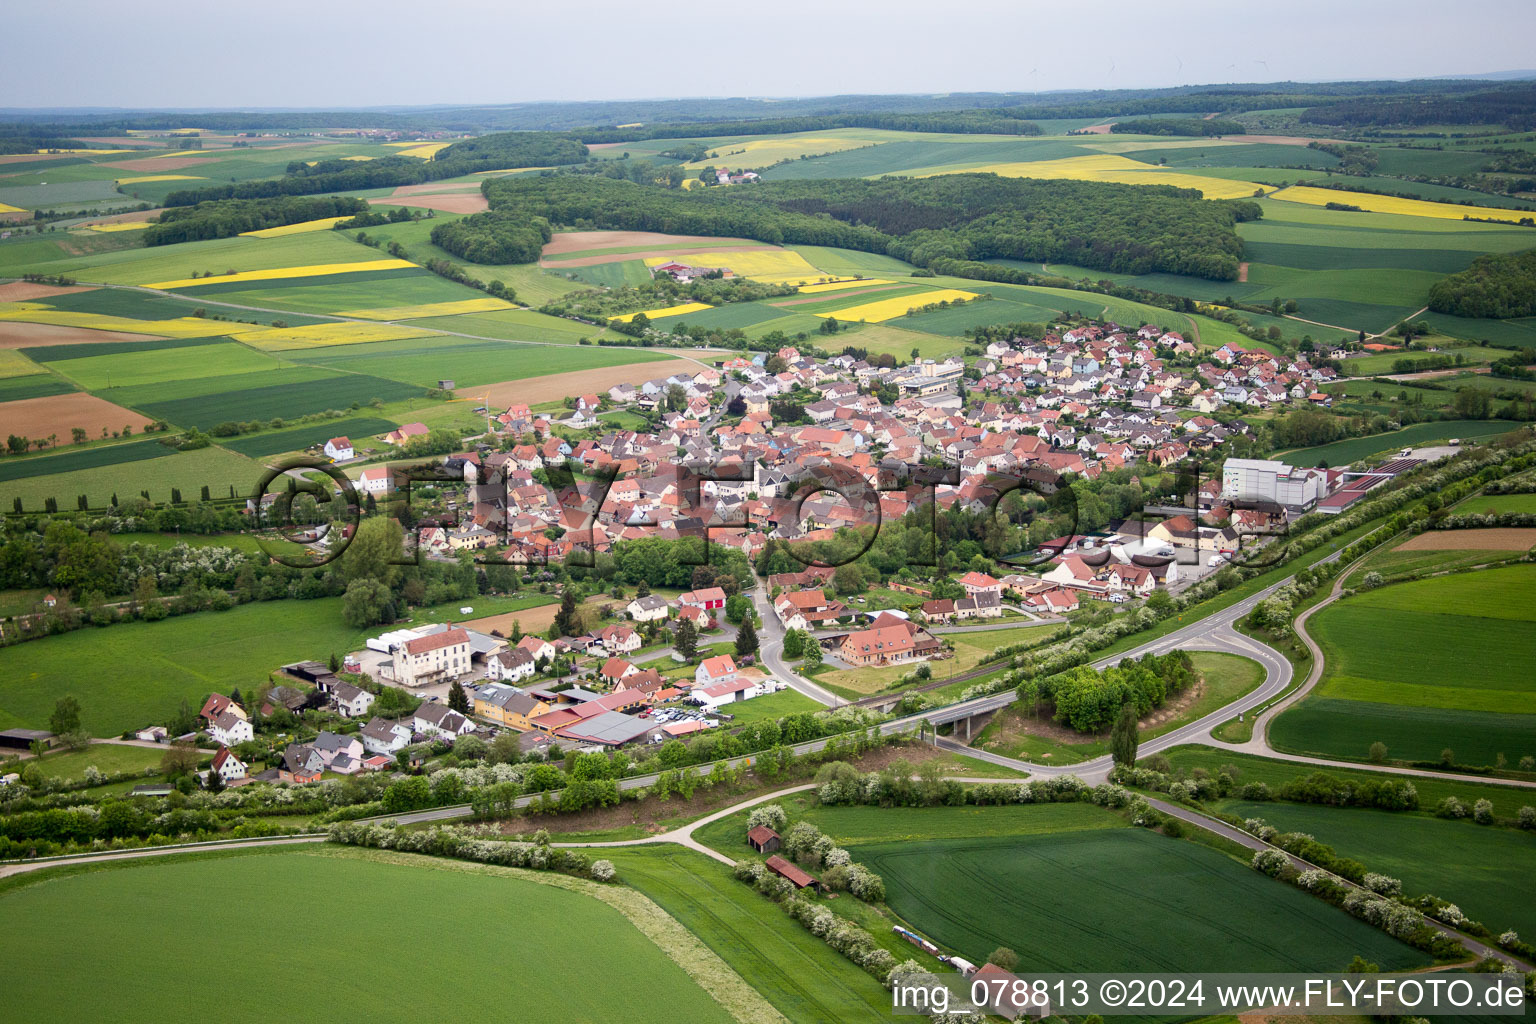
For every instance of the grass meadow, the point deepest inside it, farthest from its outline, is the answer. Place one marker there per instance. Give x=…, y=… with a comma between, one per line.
x=374, y=894
x=789, y=966
x=1341, y=453
x=1400, y=671
x=1489, y=872
x=157, y=471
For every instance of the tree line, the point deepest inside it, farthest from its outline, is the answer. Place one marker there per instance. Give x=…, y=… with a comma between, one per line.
x=1178, y=126
x=1121, y=228
x=224, y=218
x=493, y=152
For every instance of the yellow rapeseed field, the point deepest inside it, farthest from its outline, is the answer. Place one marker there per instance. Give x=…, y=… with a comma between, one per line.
x=423, y=150
x=1395, y=204
x=687, y=307
x=1109, y=167
x=280, y=273
x=14, y=364
x=160, y=177
x=837, y=286
x=323, y=224
x=762, y=152
x=119, y=225
x=277, y=339
x=4, y=208
x=774, y=266
x=485, y=305
x=889, y=309
x=180, y=327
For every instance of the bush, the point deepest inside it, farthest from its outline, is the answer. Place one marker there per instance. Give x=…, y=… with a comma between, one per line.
x=1271, y=862
x=602, y=871
x=1482, y=812
x=1451, y=807
x=767, y=816
x=1527, y=817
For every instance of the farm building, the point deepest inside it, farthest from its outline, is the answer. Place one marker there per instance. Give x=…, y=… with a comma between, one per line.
x=787, y=871
x=763, y=839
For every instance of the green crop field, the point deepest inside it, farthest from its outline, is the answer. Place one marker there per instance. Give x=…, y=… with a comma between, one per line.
x=174, y=262
x=139, y=305
x=292, y=439
x=1507, y=800
x=1498, y=504
x=33, y=385
x=1341, y=453
x=513, y=325
x=1118, y=899
x=153, y=367
x=734, y=314
x=305, y=390
x=770, y=706
x=99, y=480
x=896, y=339
x=1397, y=672
x=860, y=826
x=374, y=894
x=1489, y=872
x=424, y=361
x=82, y=459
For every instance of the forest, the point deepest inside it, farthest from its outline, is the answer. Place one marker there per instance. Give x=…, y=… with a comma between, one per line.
x=224, y=218
x=1131, y=229
x=491, y=153
x=1500, y=285
x=493, y=237
x=1513, y=106
x=1178, y=126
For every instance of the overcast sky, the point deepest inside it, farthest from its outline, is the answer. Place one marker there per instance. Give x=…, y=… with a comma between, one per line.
x=345, y=53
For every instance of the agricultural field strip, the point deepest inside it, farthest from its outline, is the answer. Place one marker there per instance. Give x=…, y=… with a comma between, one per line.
x=336, y=317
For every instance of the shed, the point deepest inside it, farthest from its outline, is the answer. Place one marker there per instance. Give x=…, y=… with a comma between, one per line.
x=799, y=879
x=763, y=839
x=22, y=739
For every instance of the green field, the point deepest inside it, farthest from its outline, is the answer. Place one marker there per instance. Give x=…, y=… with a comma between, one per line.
x=136, y=673
x=1117, y=899
x=1341, y=453
x=1506, y=799
x=102, y=471
x=71, y=461
x=1397, y=671
x=152, y=367
x=1498, y=504
x=770, y=706
x=790, y=967
x=33, y=385
x=513, y=325
x=108, y=758
x=375, y=894
x=425, y=361
x=289, y=393
x=1489, y=872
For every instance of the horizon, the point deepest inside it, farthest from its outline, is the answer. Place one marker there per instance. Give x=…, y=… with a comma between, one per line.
x=345, y=57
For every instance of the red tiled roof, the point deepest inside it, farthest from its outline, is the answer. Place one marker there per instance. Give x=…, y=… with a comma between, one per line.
x=435, y=641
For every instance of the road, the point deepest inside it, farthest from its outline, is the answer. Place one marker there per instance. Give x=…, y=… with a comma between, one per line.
x=771, y=651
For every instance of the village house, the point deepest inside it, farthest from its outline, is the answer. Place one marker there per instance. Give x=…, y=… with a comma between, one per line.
x=227, y=766
x=351, y=701
x=650, y=608
x=381, y=736
x=437, y=720
x=339, y=449
x=511, y=666
x=886, y=645
x=231, y=729
x=719, y=669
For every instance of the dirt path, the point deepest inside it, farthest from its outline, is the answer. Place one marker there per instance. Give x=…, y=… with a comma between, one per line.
x=1242, y=273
